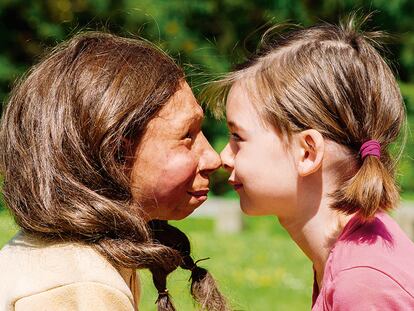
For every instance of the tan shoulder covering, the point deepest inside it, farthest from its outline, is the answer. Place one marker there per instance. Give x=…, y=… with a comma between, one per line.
x=29, y=267
x=77, y=297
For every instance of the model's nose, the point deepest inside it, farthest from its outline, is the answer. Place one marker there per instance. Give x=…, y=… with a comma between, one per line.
x=210, y=160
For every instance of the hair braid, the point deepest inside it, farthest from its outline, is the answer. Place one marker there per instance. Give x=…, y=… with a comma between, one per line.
x=203, y=287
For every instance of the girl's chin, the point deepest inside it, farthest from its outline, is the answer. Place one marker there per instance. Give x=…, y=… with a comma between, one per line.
x=252, y=210
x=248, y=209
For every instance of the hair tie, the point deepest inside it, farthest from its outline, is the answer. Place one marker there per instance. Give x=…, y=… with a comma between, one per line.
x=370, y=147
x=202, y=259
x=163, y=292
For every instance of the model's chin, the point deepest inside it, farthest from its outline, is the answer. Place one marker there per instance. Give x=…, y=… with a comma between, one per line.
x=192, y=205
x=179, y=215
x=185, y=211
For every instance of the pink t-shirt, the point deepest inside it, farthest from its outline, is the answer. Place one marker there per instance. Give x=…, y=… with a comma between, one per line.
x=370, y=267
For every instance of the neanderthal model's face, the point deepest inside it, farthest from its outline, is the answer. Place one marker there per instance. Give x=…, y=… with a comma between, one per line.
x=170, y=167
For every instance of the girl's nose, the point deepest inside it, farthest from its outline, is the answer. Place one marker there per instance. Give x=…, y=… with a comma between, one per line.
x=227, y=158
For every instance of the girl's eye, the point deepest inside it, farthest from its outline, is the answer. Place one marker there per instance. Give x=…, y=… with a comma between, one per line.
x=235, y=137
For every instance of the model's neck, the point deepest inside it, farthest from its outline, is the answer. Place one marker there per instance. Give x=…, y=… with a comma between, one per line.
x=316, y=233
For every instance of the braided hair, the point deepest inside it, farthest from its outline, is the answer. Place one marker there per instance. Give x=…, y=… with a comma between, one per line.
x=203, y=287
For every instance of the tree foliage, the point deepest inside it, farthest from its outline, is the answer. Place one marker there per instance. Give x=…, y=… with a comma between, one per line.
x=207, y=36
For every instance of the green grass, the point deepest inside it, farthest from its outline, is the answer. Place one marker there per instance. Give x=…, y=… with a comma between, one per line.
x=258, y=269
x=408, y=196
x=7, y=226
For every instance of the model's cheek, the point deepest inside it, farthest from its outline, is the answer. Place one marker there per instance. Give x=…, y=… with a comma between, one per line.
x=176, y=177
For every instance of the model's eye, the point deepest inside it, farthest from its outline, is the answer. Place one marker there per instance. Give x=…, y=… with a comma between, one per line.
x=188, y=136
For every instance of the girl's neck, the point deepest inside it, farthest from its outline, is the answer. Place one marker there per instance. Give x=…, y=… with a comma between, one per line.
x=316, y=234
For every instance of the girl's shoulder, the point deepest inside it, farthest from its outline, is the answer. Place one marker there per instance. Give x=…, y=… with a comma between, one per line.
x=29, y=266
x=377, y=248
x=365, y=288
x=370, y=265
x=375, y=243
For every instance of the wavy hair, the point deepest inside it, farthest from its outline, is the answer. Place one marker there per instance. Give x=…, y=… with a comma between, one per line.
x=63, y=158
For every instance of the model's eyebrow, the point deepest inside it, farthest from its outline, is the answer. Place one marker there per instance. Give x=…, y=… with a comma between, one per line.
x=196, y=118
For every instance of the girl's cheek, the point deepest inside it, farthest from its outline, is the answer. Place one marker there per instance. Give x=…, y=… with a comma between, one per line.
x=248, y=168
x=241, y=166
x=179, y=170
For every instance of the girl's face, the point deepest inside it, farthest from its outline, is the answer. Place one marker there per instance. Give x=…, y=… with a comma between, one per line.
x=172, y=163
x=262, y=167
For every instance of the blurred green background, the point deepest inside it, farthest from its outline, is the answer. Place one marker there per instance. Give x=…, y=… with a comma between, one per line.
x=259, y=269
x=206, y=37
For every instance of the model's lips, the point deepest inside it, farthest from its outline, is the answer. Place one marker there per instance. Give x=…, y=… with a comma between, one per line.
x=199, y=193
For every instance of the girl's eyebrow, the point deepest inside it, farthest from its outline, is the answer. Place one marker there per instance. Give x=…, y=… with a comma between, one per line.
x=234, y=125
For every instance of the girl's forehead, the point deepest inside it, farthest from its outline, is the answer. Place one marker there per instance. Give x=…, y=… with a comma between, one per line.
x=243, y=108
x=240, y=100
x=240, y=110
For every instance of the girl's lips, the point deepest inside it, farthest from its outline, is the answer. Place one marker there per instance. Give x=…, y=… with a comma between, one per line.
x=237, y=186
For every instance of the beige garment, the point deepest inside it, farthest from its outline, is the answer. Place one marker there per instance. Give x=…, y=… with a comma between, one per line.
x=41, y=276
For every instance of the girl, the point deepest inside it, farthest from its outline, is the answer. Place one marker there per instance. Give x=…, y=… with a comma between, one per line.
x=312, y=116
x=102, y=136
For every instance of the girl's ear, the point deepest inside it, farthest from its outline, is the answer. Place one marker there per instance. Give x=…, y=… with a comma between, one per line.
x=312, y=148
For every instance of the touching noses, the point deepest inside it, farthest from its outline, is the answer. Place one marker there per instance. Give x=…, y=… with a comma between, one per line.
x=227, y=158
x=209, y=160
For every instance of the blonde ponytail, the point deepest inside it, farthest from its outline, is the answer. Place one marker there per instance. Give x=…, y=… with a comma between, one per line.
x=370, y=190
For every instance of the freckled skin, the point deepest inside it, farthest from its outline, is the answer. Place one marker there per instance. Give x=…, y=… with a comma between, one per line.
x=172, y=159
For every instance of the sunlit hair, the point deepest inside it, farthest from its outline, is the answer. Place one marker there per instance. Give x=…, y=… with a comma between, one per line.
x=63, y=156
x=332, y=79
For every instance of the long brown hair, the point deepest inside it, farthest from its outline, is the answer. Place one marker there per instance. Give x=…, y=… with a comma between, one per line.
x=63, y=158
x=332, y=79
